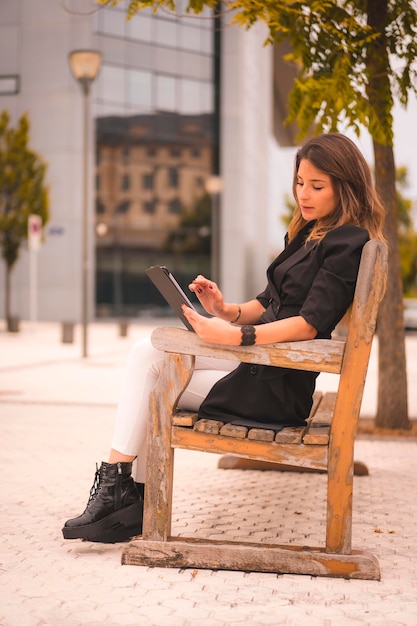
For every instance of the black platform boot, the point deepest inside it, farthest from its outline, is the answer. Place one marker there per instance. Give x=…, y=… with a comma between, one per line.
x=114, y=510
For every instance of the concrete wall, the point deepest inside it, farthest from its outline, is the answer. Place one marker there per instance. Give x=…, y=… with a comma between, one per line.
x=35, y=39
x=246, y=127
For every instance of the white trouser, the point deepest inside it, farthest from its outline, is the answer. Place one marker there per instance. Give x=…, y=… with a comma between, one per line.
x=141, y=374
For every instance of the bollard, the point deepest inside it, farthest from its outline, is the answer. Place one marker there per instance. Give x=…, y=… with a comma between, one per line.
x=123, y=327
x=13, y=324
x=67, y=332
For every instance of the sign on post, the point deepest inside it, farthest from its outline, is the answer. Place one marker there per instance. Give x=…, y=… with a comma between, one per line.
x=34, y=232
x=34, y=242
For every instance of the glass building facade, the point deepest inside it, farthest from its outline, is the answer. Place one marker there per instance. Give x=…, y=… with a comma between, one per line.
x=156, y=146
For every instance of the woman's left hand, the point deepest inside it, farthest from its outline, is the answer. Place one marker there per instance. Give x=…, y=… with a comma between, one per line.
x=212, y=329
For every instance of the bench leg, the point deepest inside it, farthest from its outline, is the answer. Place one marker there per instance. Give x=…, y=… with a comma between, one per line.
x=160, y=464
x=159, y=478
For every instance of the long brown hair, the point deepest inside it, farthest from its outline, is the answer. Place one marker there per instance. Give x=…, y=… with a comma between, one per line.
x=338, y=157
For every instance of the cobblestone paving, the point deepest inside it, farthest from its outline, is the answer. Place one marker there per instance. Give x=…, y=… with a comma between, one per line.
x=53, y=429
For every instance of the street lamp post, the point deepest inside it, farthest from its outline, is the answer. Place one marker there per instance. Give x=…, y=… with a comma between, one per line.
x=85, y=66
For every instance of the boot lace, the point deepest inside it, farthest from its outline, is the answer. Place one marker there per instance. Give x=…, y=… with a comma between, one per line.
x=95, y=487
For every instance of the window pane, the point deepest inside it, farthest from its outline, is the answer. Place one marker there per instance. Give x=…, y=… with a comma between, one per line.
x=207, y=98
x=140, y=88
x=189, y=96
x=140, y=28
x=166, y=33
x=111, y=84
x=149, y=207
x=206, y=36
x=123, y=207
x=165, y=93
x=125, y=182
x=190, y=38
x=174, y=206
x=147, y=181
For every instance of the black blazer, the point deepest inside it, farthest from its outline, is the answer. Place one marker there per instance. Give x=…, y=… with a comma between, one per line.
x=316, y=281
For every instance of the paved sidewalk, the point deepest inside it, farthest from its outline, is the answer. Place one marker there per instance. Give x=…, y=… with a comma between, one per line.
x=56, y=417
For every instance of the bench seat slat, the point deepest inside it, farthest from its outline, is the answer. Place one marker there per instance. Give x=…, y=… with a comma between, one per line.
x=231, y=430
x=317, y=435
x=318, y=428
x=208, y=426
x=261, y=434
x=324, y=411
x=184, y=418
x=290, y=434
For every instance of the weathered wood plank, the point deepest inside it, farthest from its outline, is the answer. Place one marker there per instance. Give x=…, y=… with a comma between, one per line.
x=180, y=553
x=317, y=398
x=261, y=434
x=317, y=355
x=369, y=292
x=290, y=434
x=211, y=427
x=231, y=462
x=317, y=435
x=324, y=412
x=174, y=378
x=184, y=418
x=231, y=430
x=317, y=431
x=289, y=454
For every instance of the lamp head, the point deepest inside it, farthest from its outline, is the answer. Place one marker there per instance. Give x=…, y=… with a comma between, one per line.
x=85, y=66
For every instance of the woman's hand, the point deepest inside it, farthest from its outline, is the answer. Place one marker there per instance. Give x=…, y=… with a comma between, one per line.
x=212, y=329
x=209, y=295
x=215, y=330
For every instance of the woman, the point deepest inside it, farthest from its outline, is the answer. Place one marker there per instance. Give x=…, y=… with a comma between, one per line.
x=310, y=286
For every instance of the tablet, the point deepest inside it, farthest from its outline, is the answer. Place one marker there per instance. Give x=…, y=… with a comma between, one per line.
x=165, y=282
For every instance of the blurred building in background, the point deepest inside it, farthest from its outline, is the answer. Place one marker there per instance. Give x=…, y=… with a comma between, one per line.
x=179, y=99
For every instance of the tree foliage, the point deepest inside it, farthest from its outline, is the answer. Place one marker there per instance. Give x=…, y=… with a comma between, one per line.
x=192, y=236
x=330, y=42
x=407, y=236
x=22, y=191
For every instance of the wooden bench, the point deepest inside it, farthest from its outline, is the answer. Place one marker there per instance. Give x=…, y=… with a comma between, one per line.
x=325, y=444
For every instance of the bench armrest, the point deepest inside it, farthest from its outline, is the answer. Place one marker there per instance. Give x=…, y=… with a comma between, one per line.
x=316, y=355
